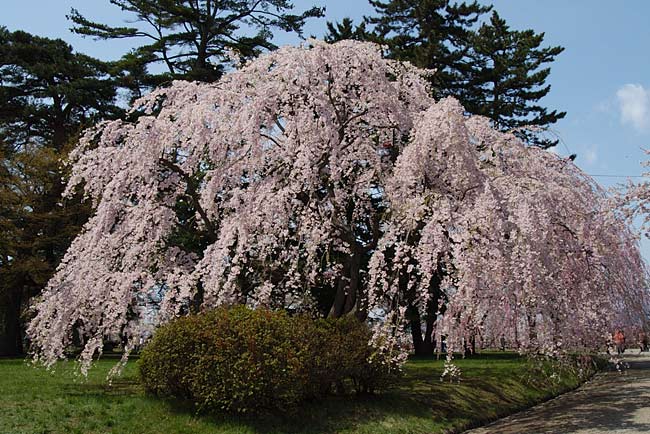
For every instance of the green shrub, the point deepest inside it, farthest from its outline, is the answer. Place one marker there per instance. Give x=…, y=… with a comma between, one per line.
x=234, y=359
x=166, y=362
x=242, y=360
x=349, y=356
x=249, y=361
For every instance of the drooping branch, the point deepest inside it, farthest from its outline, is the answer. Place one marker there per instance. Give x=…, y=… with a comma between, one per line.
x=322, y=215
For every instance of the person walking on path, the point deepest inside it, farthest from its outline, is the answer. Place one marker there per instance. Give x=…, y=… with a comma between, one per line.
x=619, y=341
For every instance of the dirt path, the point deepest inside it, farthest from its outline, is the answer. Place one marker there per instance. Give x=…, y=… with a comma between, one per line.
x=611, y=402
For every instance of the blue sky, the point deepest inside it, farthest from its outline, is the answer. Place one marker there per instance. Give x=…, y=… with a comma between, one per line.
x=602, y=79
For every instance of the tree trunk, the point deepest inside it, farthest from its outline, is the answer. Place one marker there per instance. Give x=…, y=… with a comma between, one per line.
x=425, y=345
x=348, y=298
x=422, y=344
x=336, y=311
x=11, y=340
x=416, y=331
x=469, y=346
x=197, y=300
x=532, y=332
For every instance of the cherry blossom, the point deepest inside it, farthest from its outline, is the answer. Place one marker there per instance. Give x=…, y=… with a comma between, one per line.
x=327, y=174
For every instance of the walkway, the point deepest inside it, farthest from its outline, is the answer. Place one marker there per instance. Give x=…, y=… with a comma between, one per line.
x=611, y=402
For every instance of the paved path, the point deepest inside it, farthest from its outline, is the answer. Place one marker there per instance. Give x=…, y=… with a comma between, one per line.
x=611, y=402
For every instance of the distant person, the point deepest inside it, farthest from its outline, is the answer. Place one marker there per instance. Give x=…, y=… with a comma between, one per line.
x=619, y=341
x=643, y=341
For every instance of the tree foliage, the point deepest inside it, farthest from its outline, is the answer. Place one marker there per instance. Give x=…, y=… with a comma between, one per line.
x=509, y=79
x=492, y=70
x=192, y=38
x=346, y=30
x=431, y=34
x=330, y=180
x=48, y=94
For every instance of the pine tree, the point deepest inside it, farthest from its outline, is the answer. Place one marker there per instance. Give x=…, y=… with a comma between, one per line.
x=193, y=38
x=492, y=70
x=48, y=93
x=509, y=79
x=346, y=30
x=432, y=34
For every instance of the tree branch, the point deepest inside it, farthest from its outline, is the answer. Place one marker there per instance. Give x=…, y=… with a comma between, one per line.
x=191, y=191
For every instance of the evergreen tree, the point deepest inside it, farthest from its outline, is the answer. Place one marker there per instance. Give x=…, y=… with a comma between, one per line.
x=433, y=34
x=492, y=70
x=9, y=204
x=132, y=76
x=48, y=93
x=192, y=38
x=346, y=30
x=509, y=79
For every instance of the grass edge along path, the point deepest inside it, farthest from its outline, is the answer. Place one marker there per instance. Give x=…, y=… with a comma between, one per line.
x=492, y=385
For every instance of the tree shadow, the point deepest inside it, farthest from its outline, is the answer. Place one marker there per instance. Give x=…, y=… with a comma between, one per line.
x=330, y=414
x=421, y=396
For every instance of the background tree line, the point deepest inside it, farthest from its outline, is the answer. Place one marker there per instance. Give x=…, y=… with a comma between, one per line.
x=49, y=93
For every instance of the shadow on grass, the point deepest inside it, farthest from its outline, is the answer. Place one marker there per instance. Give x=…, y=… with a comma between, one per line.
x=612, y=402
x=489, y=355
x=493, y=385
x=331, y=414
x=410, y=398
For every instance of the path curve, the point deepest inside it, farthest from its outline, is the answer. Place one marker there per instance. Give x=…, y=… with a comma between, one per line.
x=611, y=402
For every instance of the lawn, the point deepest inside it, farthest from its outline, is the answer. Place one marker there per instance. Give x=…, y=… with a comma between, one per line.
x=493, y=384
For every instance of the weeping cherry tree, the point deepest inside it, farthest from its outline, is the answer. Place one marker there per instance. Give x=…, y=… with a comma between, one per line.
x=324, y=179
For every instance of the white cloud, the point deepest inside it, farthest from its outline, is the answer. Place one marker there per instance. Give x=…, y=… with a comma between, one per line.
x=634, y=103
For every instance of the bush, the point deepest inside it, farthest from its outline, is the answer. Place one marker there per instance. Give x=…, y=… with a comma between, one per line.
x=166, y=362
x=365, y=366
x=250, y=360
x=242, y=360
x=233, y=359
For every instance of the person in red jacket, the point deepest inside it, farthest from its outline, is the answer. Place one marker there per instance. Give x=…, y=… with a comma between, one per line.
x=619, y=341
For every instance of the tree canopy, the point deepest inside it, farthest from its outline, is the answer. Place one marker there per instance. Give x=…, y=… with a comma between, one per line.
x=492, y=70
x=432, y=34
x=509, y=79
x=346, y=30
x=48, y=94
x=193, y=38
x=328, y=180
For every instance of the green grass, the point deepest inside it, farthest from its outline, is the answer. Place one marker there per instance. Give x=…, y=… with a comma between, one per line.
x=37, y=401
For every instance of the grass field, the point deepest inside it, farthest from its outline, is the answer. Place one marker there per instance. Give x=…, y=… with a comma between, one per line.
x=36, y=401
